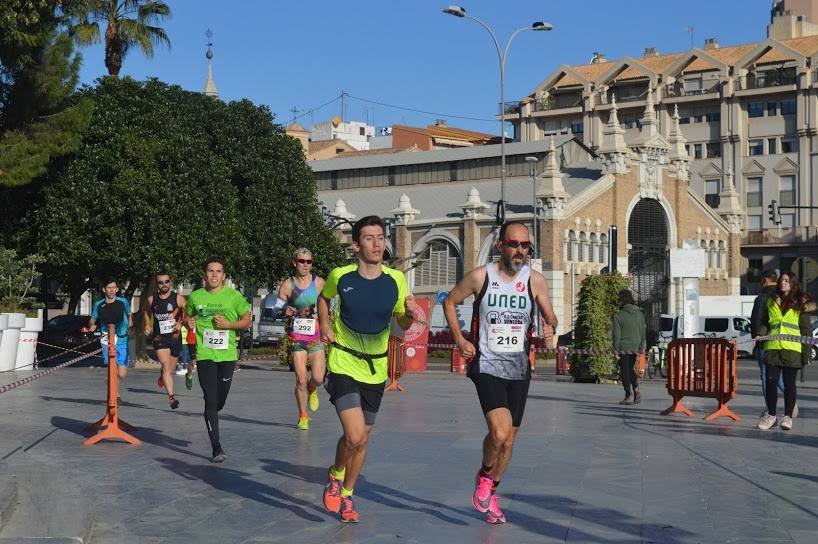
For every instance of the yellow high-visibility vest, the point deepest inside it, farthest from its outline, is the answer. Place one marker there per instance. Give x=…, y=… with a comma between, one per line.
x=783, y=324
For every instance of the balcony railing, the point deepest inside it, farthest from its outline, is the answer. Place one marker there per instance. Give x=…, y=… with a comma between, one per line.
x=763, y=81
x=511, y=108
x=783, y=235
x=673, y=90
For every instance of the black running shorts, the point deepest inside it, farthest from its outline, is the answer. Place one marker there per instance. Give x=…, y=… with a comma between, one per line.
x=346, y=393
x=496, y=393
x=168, y=342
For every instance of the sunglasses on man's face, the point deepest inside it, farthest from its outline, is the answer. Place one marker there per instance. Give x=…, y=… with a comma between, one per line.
x=514, y=244
x=162, y=282
x=304, y=261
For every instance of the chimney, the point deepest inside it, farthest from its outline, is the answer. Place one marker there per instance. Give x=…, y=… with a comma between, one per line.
x=440, y=123
x=598, y=58
x=711, y=43
x=650, y=52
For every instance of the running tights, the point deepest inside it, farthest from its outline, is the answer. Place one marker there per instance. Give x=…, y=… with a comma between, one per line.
x=771, y=395
x=215, y=379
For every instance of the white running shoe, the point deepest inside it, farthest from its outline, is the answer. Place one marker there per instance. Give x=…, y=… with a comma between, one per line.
x=766, y=422
x=786, y=423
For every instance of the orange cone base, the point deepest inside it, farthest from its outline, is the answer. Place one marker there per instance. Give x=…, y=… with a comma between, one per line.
x=677, y=406
x=723, y=411
x=394, y=386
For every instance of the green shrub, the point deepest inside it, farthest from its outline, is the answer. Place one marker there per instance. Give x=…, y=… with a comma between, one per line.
x=598, y=296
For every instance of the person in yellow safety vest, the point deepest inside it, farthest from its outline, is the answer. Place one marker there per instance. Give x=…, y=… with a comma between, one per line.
x=788, y=312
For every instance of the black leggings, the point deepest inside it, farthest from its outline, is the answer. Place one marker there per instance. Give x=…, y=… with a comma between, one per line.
x=771, y=396
x=629, y=377
x=215, y=379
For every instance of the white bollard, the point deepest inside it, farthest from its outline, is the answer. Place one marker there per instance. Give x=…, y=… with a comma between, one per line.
x=10, y=341
x=27, y=345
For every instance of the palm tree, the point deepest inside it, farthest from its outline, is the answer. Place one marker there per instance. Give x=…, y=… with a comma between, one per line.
x=129, y=23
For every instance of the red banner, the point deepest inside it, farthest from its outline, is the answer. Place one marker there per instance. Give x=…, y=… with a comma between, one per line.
x=416, y=338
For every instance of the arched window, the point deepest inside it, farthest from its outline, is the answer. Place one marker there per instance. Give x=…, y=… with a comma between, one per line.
x=582, y=254
x=572, y=242
x=721, y=254
x=592, y=250
x=711, y=255
x=438, y=265
x=603, y=249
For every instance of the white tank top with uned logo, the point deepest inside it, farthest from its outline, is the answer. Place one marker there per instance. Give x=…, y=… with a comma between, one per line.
x=505, y=310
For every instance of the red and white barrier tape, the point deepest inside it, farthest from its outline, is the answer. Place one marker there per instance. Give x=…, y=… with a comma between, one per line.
x=14, y=385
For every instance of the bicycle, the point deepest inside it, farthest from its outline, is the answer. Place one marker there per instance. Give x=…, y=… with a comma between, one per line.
x=657, y=362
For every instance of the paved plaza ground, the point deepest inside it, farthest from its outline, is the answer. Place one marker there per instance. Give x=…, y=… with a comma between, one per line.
x=584, y=469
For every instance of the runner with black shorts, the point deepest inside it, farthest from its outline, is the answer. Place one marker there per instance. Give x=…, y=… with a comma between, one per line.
x=369, y=295
x=507, y=294
x=164, y=316
x=216, y=312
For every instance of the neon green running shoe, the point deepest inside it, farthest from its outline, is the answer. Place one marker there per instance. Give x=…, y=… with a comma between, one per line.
x=314, y=400
x=304, y=423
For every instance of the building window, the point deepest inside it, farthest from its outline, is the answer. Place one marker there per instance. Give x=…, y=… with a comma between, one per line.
x=755, y=109
x=603, y=249
x=684, y=120
x=772, y=108
x=592, y=249
x=772, y=148
x=576, y=127
x=714, y=149
x=713, y=116
x=711, y=255
x=787, y=187
x=720, y=257
x=788, y=107
x=756, y=147
x=712, y=187
x=697, y=151
x=438, y=265
x=698, y=117
x=789, y=145
x=582, y=254
x=754, y=192
x=453, y=171
x=753, y=222
x=788, y=220
x=361, y=131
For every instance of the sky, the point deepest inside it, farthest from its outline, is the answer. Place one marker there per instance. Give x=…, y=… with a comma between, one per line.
x=408, y=53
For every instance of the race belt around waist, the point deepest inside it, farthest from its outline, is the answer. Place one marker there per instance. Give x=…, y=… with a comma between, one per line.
x=368, y=357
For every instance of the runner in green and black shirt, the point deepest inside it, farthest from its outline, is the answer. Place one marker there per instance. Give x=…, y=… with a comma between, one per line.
x=217, y=312
x=369, y=295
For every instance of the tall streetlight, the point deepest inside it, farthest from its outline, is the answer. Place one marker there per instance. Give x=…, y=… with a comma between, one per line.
x=459, y=11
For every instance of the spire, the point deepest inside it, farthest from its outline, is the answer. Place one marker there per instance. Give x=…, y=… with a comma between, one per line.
x=473, y=207
x=678, y=155
x=551, y=193
x=405, y=213
x=649, y=118
x=730, y=203
x=210, y=85
x=614, y=151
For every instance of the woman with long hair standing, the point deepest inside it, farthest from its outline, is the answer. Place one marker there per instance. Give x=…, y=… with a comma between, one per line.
x=788, y=313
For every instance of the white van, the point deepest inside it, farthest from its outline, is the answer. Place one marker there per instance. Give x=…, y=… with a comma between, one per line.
x=716, y=326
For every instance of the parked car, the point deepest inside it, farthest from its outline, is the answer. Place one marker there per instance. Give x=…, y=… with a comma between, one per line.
x=67, y=331
x=270, y=327
x=722, y=326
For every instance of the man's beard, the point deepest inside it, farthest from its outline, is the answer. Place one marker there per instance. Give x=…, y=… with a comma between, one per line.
x=509, y=264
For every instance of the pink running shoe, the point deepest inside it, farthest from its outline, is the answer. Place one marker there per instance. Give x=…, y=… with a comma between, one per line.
x=494, y=514
x=332, y=495
x=482, y=493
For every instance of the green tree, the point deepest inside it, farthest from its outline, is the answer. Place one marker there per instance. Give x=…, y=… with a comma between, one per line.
x=128, y=23
x=165, y=178
x=39, y=121
x=18, y=278
x=598, y=296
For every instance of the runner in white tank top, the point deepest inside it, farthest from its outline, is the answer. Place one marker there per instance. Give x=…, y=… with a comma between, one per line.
x=505, y=294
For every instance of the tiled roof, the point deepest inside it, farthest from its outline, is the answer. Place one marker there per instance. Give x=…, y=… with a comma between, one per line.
x=567, y=81
x=435, y=131
x=660, y=63
x=630, y=73
x=593, y=72
x=731, y=55
x=700, y=65
x=774, y=55
x=806, y=46
x=316, y=146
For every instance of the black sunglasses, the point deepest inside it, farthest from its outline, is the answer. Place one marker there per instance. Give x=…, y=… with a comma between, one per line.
x=162, y=282
x=514, y=244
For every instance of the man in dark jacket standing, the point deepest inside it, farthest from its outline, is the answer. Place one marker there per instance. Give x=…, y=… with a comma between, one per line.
x=629, y=335
x=758, y=319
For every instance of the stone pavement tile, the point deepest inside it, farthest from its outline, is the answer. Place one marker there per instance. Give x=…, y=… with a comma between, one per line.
x=751, y=528
x=804, y=536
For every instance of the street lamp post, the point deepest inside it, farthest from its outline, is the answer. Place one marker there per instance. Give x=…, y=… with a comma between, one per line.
x=459, y=11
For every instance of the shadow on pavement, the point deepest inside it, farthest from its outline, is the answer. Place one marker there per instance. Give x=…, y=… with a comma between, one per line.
x=241, y=484
x=146, y=434
x=375, y=492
